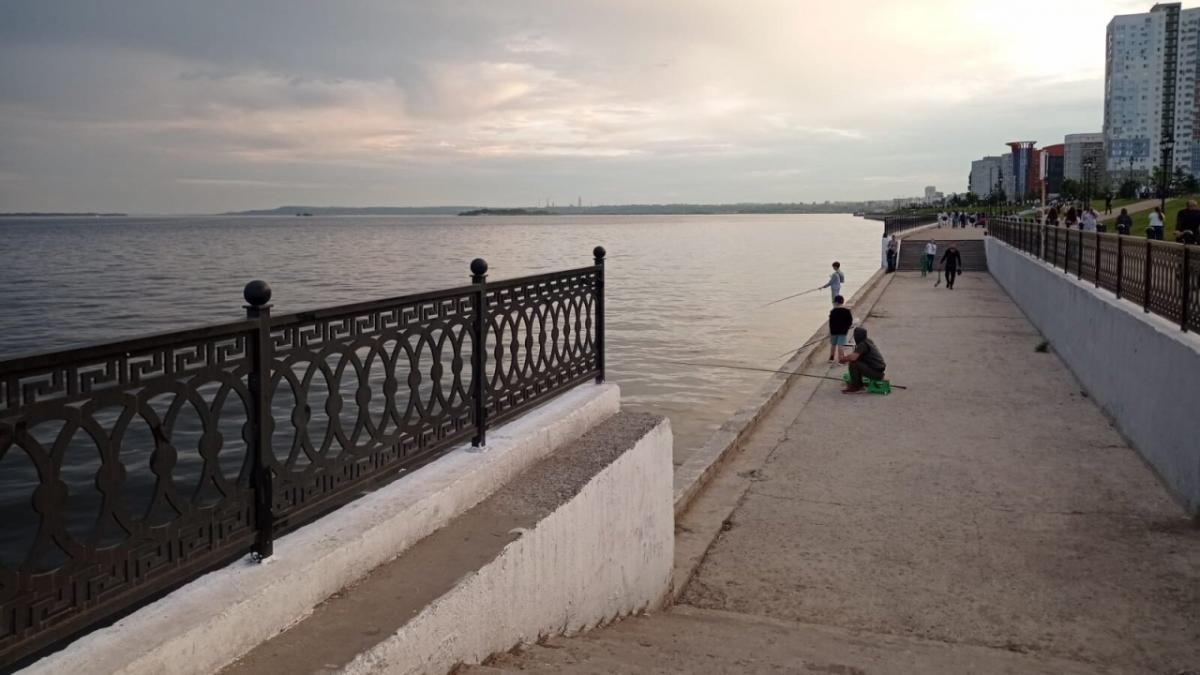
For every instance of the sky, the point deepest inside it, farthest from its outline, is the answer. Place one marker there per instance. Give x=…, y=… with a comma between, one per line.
x=178, y=106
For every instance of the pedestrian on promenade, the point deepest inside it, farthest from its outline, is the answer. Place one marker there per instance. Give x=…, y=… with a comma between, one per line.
x=982, y=220
x=840, y=320
x=1124, y=222
x=835, y=281
x=1052, y=217
x=951, y=264
x=1108, y=197
x=962, y=220
x=930, y=257
x=1154, y=230
x=864, y=361
x=1072, y=218
x=1088, y=221
x=1187, y=223
x=892, y=252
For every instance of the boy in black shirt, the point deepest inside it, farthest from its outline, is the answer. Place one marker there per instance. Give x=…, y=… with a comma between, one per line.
x=840, y=320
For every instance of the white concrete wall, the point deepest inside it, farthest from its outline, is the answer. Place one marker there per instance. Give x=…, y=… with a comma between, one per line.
x=1140, y=368
x=208, y=623
x=605, y=553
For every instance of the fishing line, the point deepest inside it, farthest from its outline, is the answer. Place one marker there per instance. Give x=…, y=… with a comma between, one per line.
x=823, y=338
x=794, y=295
x=770, y=370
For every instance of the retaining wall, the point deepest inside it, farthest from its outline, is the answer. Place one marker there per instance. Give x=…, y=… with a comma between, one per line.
x=1140, y=368
x=208, y=623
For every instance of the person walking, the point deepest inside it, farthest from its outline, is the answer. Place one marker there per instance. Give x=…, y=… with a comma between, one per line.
x=1187, y=223
x=1072, y=218
x=1124, y=222
x=1088, y=220
x=892, y=252
x=1052, y=217
x=840, y=320
x=951, y=264
x=1154, y=230
x=835, y=281
x=930, y=257
x=1108, y=197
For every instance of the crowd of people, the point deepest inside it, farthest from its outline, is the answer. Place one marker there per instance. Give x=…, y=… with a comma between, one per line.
x=1086, y=218
x=961, y=219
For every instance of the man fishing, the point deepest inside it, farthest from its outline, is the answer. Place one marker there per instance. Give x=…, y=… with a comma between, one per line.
x=864, y=361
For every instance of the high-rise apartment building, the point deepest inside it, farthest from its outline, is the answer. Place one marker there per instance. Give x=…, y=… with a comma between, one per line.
x=1079, y=150
x=1150, y=90
x=1008, y=178
x=1050, y=168
x=985, y=176
x=1025, y=171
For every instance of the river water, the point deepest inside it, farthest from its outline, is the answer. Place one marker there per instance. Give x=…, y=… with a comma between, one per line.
x=679, y=288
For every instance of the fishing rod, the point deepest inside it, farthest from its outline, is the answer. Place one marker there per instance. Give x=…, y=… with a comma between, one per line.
x=769, y=370
x=794, y=295
x=808, y=344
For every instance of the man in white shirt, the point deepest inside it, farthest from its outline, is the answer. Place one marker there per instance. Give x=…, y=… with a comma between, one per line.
x=930, y=256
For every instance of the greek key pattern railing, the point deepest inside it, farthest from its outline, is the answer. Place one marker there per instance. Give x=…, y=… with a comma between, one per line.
x=129, y=468
x=1163, y=277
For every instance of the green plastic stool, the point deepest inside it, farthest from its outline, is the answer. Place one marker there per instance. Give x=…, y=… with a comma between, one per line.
x=872, y=386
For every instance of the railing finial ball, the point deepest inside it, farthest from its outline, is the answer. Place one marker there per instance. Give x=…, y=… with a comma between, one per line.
x=257, y=293
x=479, y=267
x=599, y=252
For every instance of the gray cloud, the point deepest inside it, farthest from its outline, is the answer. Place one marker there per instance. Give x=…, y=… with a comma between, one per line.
x=175, y=106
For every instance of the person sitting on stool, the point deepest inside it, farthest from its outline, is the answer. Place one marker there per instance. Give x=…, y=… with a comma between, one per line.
x=865, y=361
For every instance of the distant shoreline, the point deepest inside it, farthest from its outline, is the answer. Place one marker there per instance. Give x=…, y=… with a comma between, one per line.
x=603, y=210
x=88, y=214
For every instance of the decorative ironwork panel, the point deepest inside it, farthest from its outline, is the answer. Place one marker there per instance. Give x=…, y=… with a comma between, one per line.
x=359, y=395
x=1166, y=280
x=1108, y=273
x=541, y=338
x=123, y=469
x=1133, y=269
x=1085, y=260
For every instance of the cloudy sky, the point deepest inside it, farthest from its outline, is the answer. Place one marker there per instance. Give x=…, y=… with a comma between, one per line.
x=179, y=106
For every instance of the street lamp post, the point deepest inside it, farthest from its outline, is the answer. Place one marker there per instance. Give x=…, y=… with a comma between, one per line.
x=1167, y=144
x=1087, y=181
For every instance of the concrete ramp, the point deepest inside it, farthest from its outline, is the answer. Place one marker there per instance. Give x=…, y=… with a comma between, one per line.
x=583, y=537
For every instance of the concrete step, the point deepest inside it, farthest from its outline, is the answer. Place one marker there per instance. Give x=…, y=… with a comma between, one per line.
x=974, y=255
x=690, y=640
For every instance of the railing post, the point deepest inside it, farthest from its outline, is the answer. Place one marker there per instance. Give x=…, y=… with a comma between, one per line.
x=1079, y=257
x=1147, y=276
x=1066, y=253
x=1187, y=288
x=1120, y=262
x=1096, y=269
x=599, y=254
x=257, y=295
x=479, y=268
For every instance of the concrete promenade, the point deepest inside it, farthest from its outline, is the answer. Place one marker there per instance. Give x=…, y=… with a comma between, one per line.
x=987, y=520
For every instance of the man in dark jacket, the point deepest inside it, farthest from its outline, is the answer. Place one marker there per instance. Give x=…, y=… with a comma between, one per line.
x=951, y=264
x=1188, y=221
x=864, y=361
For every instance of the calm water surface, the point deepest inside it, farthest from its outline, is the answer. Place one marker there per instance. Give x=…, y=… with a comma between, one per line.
x=679, y=287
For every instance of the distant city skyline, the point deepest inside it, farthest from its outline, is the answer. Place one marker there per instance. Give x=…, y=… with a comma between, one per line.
x=168, y=106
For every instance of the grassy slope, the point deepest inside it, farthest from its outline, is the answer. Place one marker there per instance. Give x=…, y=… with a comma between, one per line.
x=1142, y=218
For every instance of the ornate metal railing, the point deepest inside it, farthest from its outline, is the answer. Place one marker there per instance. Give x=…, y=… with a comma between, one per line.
x=897, y=224
x=1163, y=277
x=129, y=468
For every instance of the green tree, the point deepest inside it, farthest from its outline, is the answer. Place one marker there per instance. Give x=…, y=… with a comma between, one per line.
x=1190, y=185
x=1128, y=189
x=1071, y=189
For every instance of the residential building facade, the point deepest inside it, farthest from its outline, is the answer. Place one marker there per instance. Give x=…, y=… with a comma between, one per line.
x=985, y=177
x=1150, y=91
x=1079, y=148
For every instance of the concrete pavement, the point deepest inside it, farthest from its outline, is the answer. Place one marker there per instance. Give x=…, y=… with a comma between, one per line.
x=987, y=520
